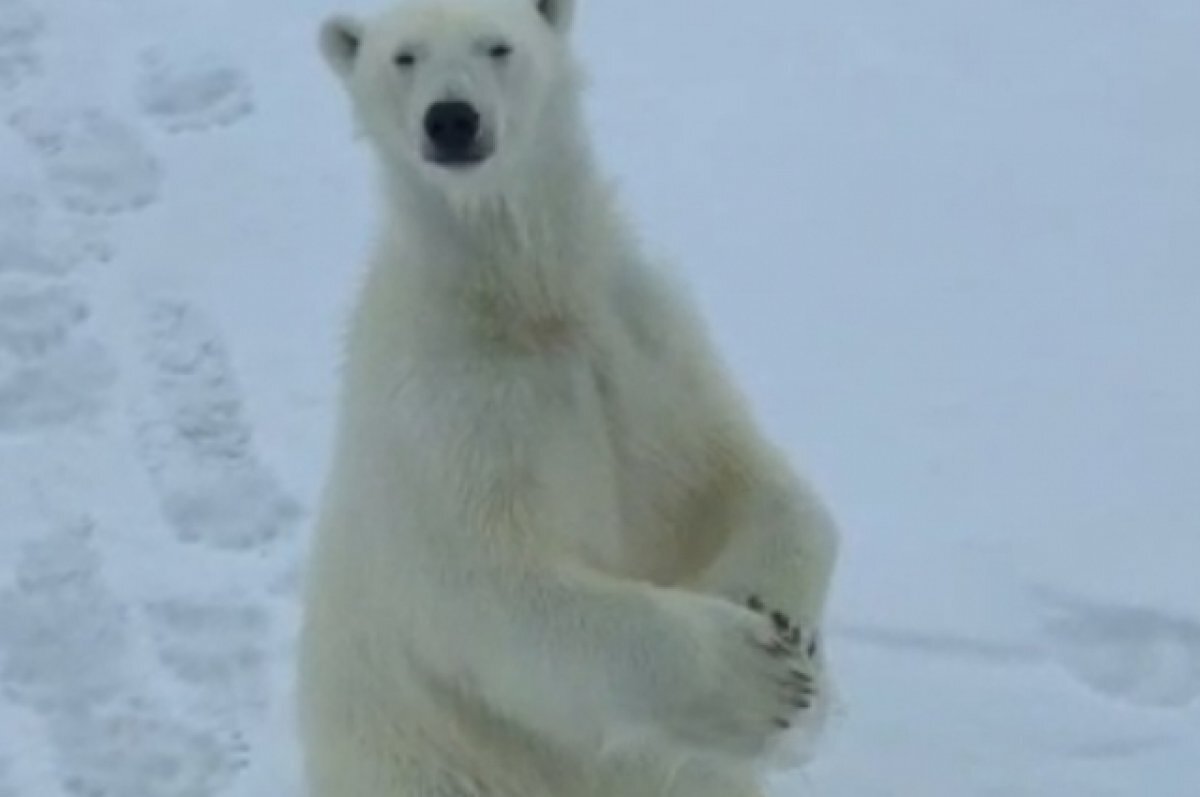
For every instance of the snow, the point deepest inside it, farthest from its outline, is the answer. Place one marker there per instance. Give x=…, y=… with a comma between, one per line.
x=952, y=250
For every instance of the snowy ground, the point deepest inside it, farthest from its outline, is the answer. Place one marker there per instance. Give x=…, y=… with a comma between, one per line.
x=953, y=250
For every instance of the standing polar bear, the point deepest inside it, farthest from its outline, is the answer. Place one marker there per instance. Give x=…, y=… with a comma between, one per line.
x=555, y=556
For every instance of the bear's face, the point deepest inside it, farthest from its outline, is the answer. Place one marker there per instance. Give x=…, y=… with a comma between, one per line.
x=453, y=88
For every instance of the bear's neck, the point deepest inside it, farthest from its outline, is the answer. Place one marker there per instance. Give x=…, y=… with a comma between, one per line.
x=538, y=251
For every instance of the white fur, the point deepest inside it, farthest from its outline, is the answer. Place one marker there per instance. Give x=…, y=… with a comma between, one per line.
x=548, y=504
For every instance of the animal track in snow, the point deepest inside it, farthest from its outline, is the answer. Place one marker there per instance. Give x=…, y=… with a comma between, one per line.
x=48, y=375
x=20, y=249
x=62, y=632
x=33, y=320
x=16, y=64
x=214, y=647
x=38, y=243
x=131, y=751
x=196, y=444
x=192, y=95
x=20, y=27
x=1136, y=655
x=948, y=646
x=67, y=383
x=20, y=23
x=94, y=162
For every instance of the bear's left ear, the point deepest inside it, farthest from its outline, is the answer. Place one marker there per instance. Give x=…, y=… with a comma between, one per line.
x=558, y=13
x=341, y=40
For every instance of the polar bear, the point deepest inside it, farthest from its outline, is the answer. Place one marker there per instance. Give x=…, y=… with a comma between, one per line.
x=555, y=557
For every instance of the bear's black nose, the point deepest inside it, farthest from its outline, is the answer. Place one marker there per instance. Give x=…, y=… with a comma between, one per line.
x=452, y=127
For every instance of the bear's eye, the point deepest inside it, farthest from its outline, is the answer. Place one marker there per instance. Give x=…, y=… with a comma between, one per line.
x=501, y=51
x=405, y=59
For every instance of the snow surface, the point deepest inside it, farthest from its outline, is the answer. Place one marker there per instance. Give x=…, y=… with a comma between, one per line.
x=952, y=249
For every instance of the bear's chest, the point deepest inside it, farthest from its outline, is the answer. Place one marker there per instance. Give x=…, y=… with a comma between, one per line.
x=661, y=459
x=635, y=459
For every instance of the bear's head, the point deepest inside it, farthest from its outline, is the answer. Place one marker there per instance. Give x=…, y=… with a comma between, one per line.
x=457, y=92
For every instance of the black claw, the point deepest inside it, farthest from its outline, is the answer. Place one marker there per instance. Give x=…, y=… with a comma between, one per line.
x=755, y=603
x=801, y=688
x=781, y=621
x=793, y=637
x=782, y=724
x=812, y=647
x=775, y=648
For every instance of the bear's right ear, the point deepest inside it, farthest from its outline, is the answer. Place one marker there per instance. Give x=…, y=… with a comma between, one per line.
x=341, y=40
x=557, y=13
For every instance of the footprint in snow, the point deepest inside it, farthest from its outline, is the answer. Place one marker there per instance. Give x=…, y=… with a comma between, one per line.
x=63, y=634
x=94, y=162
x=196, y=443
x=192, y=95
x=64, y=384
x=136, y=751
x=34, y=320
x=21, y=25
x=215, y=648
x=21, y=250
x=50, y=375
x=1136, y=655
x=37, y=242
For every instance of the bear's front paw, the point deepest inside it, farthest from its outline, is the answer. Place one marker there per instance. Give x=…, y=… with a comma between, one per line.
x=755, y=684
x=810, y=643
